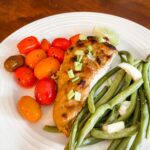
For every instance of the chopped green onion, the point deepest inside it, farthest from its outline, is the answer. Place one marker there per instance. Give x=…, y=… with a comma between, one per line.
x=82, y=37
x=79, y=52
x=71, y=74
x=78, y=66
x=79, y=58
x=77, y=95
x=70, y=94
x=75, y=79
x=90, y=56
x=101, y=40
x=90, y=48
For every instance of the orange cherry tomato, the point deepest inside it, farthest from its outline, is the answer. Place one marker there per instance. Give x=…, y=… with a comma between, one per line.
x=28, y=44
x=45, y=45
x=46, y=67
x=74, y=38
x=25, y=77
x=34, y=57
x=29, y=108
x=56, y=53
x=61, y=43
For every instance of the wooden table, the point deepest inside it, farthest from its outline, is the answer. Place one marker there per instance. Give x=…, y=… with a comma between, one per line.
x=16, y=13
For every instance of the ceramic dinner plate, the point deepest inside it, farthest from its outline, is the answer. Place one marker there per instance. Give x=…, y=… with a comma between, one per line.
x=18, y=134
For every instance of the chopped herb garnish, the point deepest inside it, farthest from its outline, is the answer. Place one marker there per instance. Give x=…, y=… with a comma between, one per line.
x=90, y=56
x=70, y=94
x=79, y=58
x=79, y=52
x=90, y=48
x=78, y=66
x=82, y=37
x=75, y=79
x=77, y=96
x=71, y=74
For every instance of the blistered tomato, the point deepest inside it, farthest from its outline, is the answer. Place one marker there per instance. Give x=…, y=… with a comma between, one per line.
x=57, y=53
x=45, y=45
x=45, y=91
x=61, y=43
x=34, y=57
x=46, y=67
x=29, y=108
x=28, y=44
x=25, y=77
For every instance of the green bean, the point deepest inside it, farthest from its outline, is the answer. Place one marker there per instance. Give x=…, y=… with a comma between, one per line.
x=124, y=143
x=114, y=144
x=146, y=67
x=90, y=141
x=144, y=122
x=73, y=134
x=127, y=81
x=101, y=110
x=131, y=108
x=91, y=105
x=100, y=94
x=96, y=133
x=49, y=128
x=109, y=94
x=113, y=116
x=122, y=58
x=128, y=55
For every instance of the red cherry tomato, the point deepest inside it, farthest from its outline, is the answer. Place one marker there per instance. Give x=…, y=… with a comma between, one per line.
x=56, y=53
x=61, y=43
x=25, y=77
x=45, y=91
x=45, y=45
x=74, y=38
x=28, y=44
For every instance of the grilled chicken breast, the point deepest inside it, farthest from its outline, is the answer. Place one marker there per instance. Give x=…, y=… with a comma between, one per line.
x=65, y=110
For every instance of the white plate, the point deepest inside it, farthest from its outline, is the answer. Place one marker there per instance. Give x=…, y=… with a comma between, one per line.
x=17, y=134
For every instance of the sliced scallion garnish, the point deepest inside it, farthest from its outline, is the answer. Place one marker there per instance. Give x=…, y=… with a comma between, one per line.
x=90, y=48
x=79, y=58
x=75, y=79
x=70, y=94
x=77, y=96
x=90, y=56
x=78, y=66
x=71, y=74
x=82, y=37
x=79, y=52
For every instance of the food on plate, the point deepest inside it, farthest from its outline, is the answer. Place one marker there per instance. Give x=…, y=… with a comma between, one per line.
x=45, y=45
x=25, y=77
x=90, y=104
x=46, y=67
x=56, y=53
x=33, y=57
x=28, y=44
x=14, y=62
x=74, y=38
x=45, y=91
x=61, y=43
x=82, y=62
x=29, y=109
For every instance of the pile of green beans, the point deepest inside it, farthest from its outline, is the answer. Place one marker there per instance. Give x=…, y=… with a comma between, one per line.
x=102, y=108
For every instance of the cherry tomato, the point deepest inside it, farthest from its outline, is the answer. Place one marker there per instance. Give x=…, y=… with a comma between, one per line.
x=45, y=45
x=45, y=91
x=29, y=108
x=46, y=67
x=56, y=53
x=61, y=43
x=74, y=38
x=25, y=77
x=34, y=57
x=28, y=44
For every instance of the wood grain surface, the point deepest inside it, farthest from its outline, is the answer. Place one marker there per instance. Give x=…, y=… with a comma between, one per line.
x=16, y=13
